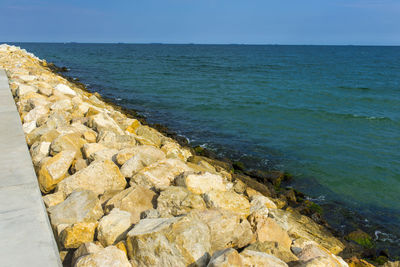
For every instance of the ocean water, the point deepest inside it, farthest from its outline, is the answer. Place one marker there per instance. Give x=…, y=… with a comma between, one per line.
x=330, y=115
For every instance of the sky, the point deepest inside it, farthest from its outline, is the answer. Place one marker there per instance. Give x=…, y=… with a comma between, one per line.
x=324, y=22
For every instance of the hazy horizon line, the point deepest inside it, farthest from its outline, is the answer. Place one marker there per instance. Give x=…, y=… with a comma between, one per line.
x=192, y=43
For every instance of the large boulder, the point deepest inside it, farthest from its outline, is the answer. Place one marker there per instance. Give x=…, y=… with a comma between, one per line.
x=39, y=151
x=149, y=136
x=36, y=114
x=312, y=254
x=91, y=148
x=54, y=170
x=65, y=89
x=113, y=227
x=275, y=249
x=252, y=258
x=159, y=175
x=77, y=234
x=81, y=206
x=84, y=250
x=99, y=177
x=201, y=183
x=229, y=201
x=134, y=200
x=176, y=201
x=228, y=229
x=183, y=241
x=142, y=157
x=298, y=225
x=174, y=150
x=106, y=257
x=226, y=258
x=71, y=141
x=103, y=122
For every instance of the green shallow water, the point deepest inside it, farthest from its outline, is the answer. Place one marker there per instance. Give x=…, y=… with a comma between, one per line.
x=328, y=114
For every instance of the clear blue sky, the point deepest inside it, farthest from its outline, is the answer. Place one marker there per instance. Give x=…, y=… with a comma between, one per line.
x=202, y=21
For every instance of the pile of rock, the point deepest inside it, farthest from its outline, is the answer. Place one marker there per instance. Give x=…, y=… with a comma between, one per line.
x=119, y=193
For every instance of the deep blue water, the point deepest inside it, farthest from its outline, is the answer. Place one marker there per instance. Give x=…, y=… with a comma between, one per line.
x=330, y=115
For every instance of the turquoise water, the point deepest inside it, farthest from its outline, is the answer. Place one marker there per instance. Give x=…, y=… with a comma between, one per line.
x=330, y=115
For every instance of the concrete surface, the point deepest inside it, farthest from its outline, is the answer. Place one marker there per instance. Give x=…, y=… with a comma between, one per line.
x=26, y=238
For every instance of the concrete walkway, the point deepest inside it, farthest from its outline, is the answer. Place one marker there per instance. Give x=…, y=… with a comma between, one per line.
x=26, y=238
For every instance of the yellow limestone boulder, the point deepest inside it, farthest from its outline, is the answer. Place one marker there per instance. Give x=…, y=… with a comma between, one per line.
x=54, y=170
x=113, y=227
x=106, y=257
x=99, y=177
x=77, y=234
x=228, y=201
x=134, y=200
x=201, y=183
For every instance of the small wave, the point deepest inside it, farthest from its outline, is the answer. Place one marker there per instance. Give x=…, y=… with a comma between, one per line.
x=318, y=199
x=385, y=237
x=355, y=88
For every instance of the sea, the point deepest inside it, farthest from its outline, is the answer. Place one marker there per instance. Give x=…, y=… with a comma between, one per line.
x=329, y=115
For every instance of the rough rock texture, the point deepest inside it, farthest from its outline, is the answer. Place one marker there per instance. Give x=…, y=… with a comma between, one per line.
x=275, y=249
x=113, y=227
x=54, y=170
x=252, y=258
x=99, y=176
x=85, y=249
x=81, y=206
x=226, y=258
x=71, y=141
x=142, y=157
x=170, y=242
x=77, y=234
x=176, y=200
x=228, y=229
x=228, y=201
x=301, y=226
x=201, y=183
x=134, y=200
x=159, y=175
x=109, y=256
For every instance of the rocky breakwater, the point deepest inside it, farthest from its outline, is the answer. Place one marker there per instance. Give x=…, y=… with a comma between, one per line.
x=119, y=193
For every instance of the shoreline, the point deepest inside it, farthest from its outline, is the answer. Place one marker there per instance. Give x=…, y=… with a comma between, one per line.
x=271, y=181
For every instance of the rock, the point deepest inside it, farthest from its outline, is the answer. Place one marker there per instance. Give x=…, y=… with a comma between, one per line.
x=39, y=151
x=25, y=89
x=260, y=202
x=355, y=262
x=71, y=141
x=149, y=136
x=229, y=201
x=312, y=251
x=174, y=151
x=183, y=241
x=52, y=199
x=201, y=183
x=85, y=249
x=133, y=125
x=80, y=206
x=159, y=175
x=143, y=156
x=99, y=177
x=252, y=258
x=89, y=149
x=266, y=229
x=361, y=238
x=109, y=256
x=317, y=262
x=113, y=227
x=29, y=127
x=176, y=201
x=115, y=141
x=64, y=89
x=226, y=258
x=273, y=248
x=36, y=114
x=150, y=214
x=27, y=78
x=134, y=200
x=102, y=122
x=228, y=229
x=55, y=170
x=77, y=234
x=78, y=164
x=104, y=154
x=392, y=264
x=57, y=119
x=254, y=185
x=62, y=105
x=302, y=226
x=125, y=154
x=44, y=89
